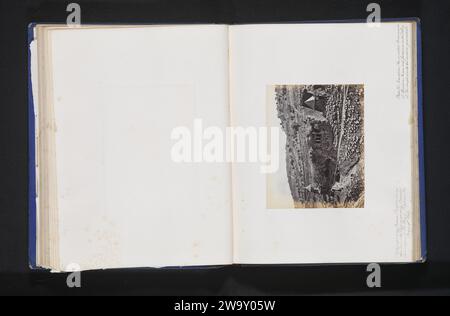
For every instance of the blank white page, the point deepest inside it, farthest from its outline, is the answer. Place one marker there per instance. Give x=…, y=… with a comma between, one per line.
x=118, y=94
x=327, y=54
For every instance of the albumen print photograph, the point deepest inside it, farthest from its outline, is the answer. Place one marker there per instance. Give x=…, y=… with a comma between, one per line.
x=322, y=146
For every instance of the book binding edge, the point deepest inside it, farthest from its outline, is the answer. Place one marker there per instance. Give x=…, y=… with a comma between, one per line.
x=32, y=221
x=423, y=221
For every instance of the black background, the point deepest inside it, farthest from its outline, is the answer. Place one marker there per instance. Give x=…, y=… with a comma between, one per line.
x=15, y=277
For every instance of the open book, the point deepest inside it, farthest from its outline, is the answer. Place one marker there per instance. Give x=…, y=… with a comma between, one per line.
x=202, y=145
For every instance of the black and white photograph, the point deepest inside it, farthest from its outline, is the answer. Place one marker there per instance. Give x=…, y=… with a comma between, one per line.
x=323, y=127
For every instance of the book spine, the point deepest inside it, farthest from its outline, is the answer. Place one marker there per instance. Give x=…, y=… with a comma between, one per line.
x=423, y=223
x=32, y=216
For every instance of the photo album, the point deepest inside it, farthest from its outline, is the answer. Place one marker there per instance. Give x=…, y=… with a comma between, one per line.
x=154, y=146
